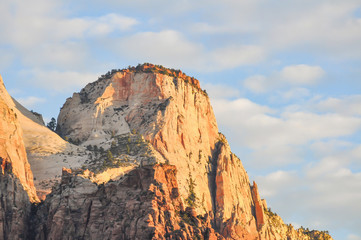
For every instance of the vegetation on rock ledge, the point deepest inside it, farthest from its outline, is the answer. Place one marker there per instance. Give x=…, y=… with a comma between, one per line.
x=152, y=68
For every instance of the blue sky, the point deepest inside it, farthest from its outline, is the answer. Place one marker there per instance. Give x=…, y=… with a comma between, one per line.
x=283, y=77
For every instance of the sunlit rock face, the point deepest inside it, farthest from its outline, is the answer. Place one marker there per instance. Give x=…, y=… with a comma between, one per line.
x=37, y=138
x=174, y=115
x=153, y=166
x=12, y=150
x=46, y=151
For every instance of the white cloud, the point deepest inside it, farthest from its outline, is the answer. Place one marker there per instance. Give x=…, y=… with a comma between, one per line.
x=242, y=106
x=324, y=27
x=69, y=28
x=166, y=47
x=332, y=104
x=69, y=55
x=257, y=128
x=311, y=126
x=257, y=83
x=109, y=23
x=216, y=91
x=334, y=155
x=293, y=75
x=172, y=48
x=43, y=34
x=31, y=101
x=271, y=184
x=326, y=192
x=353, y=237
x=59, y=81
x=301, y=74
x=335, y=188
x=295, y=93
x=268, y=157
x=330, y=147
x=28, y=27
x=233, y=56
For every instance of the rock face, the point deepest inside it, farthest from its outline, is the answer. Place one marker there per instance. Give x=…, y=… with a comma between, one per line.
x=37, y=138
x=16, y=179
x=12, y=150
x=176, y=117
x=46, y=151
x=15, y=206
x=234, y=205
x=172, y=113
x=258, y=206
x=155, y=167
x=145, y=204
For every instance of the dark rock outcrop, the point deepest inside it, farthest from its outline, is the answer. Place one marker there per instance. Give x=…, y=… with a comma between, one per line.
x=15, y=206
x=145, y=204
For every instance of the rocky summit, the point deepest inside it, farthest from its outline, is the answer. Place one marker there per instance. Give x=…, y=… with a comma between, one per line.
x=137, y=154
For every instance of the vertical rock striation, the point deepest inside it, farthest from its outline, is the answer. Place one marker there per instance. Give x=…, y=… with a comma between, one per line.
x=15, y=206
x=258, y=206
x=145, y=204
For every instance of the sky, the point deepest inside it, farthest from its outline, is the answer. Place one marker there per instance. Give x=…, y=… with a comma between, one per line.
x=284, y=79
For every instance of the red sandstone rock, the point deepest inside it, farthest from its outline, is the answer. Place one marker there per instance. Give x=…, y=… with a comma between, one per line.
x=12, y=150
x=140, y=206
x=175, y=116
x=257, y=206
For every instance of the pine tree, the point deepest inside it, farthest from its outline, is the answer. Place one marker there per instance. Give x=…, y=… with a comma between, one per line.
x=192, y=198
x=52, y=124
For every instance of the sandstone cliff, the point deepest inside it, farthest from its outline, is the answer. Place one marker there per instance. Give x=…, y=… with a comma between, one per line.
x=15, y=207
x=154, y=166
x=16, y=179
x=47, y=152
x=12, y=150
x=37, y=138
x=173, y=115
x=145, y=204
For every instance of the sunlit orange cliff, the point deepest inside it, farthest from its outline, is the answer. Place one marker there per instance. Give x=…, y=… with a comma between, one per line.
x=140, y=157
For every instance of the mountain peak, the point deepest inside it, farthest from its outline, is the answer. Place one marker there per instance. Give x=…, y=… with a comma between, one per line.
x=153, y=68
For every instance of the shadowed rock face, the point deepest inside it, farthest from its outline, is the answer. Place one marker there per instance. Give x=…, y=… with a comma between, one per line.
x=15, y=206
x=145, y=204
